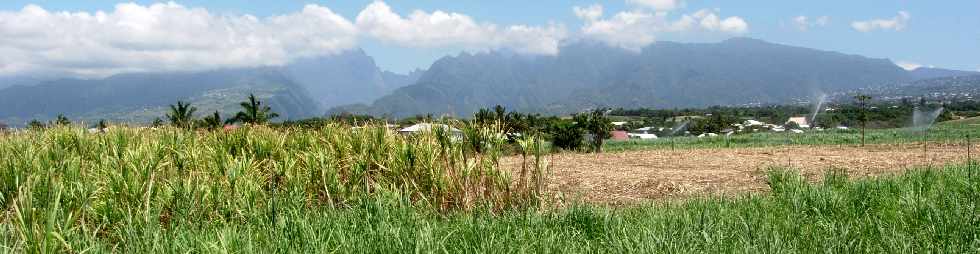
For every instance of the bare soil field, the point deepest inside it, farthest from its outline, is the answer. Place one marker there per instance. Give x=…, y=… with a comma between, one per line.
x=635, y=176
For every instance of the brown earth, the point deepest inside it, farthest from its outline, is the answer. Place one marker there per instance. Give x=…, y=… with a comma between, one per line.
x=636, y=176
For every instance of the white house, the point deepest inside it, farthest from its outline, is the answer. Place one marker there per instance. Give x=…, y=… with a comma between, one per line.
x=642, y=135
x=707, y=135
x=800, y=121
x=753, y=123
x=426, y=127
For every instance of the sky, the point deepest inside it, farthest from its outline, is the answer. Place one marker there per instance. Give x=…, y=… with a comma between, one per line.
x=100, y=38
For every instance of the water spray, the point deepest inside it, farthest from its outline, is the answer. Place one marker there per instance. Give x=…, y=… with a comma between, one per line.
x=922, y=121
x=820, y=100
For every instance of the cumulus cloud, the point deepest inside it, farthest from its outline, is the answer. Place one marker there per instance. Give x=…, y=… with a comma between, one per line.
x=897, y=23
x=163, y=36
x=635, y=29
x=172, y=37
x=658, y=5
x=439, y=29
x=908, y=65
x=591, y=13
x=804, y=23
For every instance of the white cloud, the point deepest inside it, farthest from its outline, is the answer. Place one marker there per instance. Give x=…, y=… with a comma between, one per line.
x=897, y=23
x=804, y=23
x=635, y=29
x=163, y=37
x=440, y=29
x=171, y=37
x=593, y=12
x=658, y=5
x=909, y=65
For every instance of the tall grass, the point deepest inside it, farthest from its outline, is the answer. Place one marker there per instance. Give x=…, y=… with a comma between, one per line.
x=65, y=183
x=370, y=190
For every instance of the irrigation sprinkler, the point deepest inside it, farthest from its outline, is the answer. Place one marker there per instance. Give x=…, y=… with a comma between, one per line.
x=969, y=156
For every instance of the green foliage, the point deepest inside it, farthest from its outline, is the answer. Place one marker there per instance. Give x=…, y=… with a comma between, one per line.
x=566, y=135
x=61, y=120
x=212, y=122
x=181, y=115
x=157, y=122
x=102, y=124
x=597, y=125
x=715, y=123
x=513, y=122
x=253, y=112
x=34, y=124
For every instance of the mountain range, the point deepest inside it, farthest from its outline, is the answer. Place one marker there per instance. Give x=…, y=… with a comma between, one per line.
x=663, y=75
x=582, y=75
x=304, y=88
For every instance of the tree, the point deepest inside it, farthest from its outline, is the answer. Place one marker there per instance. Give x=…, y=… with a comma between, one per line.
x=181, y=115
x=157, y=122
x=598, y=125
x=3, y=126
x=863, y=117
x=61, y=120
x=102, y=125
x=566, y=135
x=253, y=112
x=35, y=125
x=792, y=126
x=213, y=122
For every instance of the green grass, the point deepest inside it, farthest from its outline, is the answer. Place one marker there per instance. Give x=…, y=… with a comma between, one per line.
x=946, y=132
x=257, y=190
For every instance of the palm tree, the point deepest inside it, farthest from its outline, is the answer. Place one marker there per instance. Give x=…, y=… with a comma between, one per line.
x=35, y=125
x=253, y=112
x=597, y=124
x=863, y=101
x=102, y=125
x=213, y=122
x=181, y=115
x=62, y=120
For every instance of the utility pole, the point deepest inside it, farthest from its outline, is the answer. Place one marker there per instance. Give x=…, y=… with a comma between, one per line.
x=863, y=100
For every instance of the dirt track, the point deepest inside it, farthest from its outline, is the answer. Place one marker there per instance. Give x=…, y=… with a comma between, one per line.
x=634, y=176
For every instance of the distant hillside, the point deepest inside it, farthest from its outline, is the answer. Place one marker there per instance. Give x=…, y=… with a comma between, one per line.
x=936, y=89
x=346, y=78
x=931, y=73
x=143, y=97
x=664, y=74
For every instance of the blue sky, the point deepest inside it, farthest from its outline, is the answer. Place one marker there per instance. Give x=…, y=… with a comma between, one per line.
x=927, y=33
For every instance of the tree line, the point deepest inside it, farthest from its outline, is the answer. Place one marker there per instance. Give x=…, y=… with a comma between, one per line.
x=182, y=115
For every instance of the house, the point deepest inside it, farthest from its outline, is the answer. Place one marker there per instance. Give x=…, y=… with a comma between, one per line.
x=619, y=124
x=751, y=122
x=643, y=133
x=427, y=127
x=800, y=121
x=619, y=135
x=643, y=130
x=707, y=135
